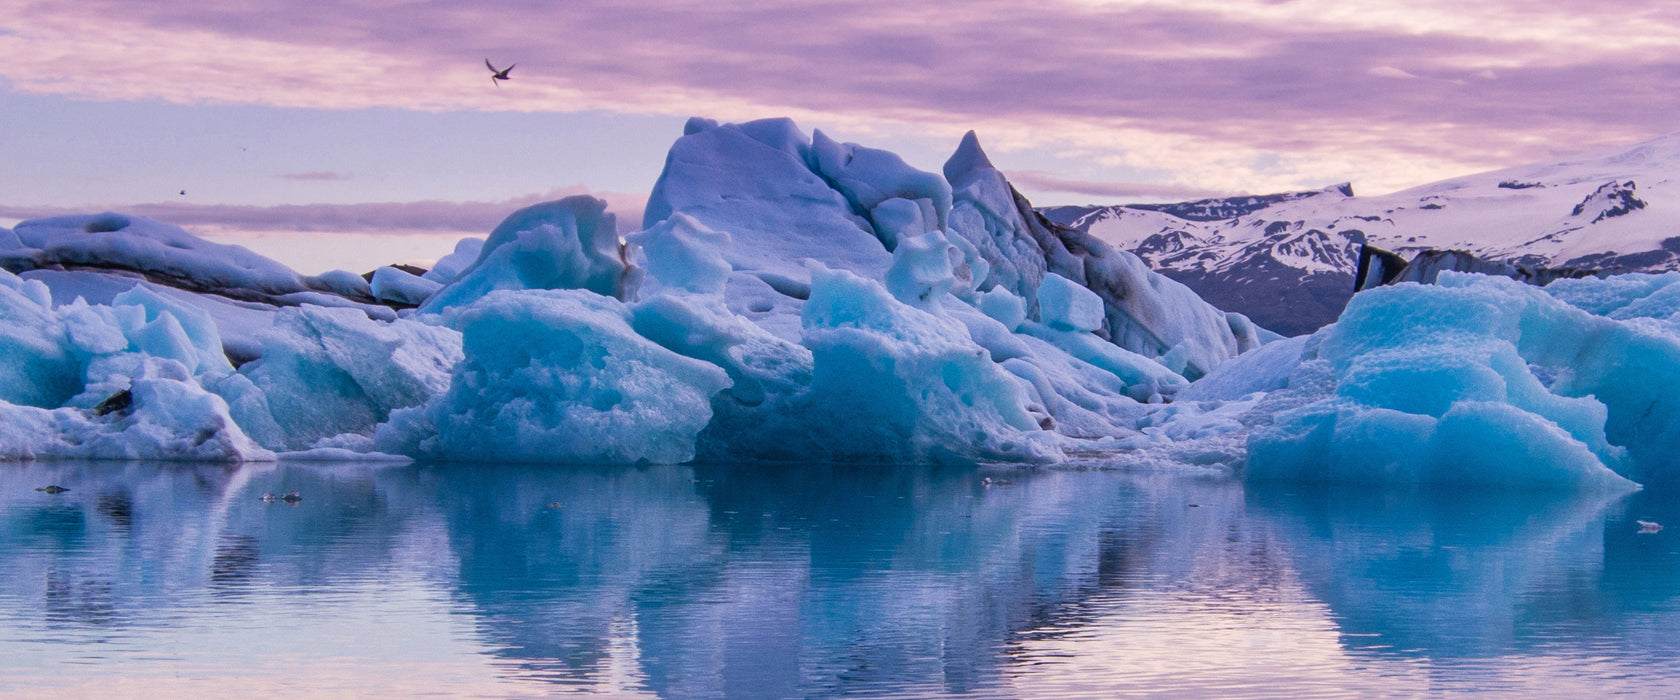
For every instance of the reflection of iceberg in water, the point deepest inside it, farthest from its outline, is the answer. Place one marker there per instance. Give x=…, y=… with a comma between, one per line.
x=814, y=580
x=1445, y=574
x=810, y=581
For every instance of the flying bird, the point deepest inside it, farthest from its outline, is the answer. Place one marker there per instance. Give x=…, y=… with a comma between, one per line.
x=498, y=75
x=1647, y=527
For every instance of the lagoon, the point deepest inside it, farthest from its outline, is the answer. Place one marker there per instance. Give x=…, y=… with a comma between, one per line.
x=801, y=580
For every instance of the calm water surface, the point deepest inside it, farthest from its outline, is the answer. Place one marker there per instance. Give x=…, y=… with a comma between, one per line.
x=816, y=581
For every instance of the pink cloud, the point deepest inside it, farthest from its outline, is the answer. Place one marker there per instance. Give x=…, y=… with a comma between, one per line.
x=465, y=218
x=1045, y=182
x=1270, y=82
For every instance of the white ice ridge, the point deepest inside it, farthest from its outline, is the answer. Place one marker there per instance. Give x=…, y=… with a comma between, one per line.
x=794, y=298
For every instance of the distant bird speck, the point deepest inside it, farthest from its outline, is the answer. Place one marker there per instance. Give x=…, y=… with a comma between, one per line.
x=1647, y=527
x=183, y=193
x=498, y=75
x=53, y=489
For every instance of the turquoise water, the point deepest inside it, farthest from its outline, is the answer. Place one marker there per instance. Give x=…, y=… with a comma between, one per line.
x=816, y=581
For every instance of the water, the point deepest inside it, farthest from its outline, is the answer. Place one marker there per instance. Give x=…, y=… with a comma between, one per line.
x=817, y=581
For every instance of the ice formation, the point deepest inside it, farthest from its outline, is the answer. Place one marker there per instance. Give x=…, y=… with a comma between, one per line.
x=558, y=376
x=1477, y=380
x=797, y=298
x=125, y=380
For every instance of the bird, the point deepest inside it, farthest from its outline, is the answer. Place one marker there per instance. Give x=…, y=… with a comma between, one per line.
x=52, y=489
x=497, y=75
x=1647, y=527
x=183, y=193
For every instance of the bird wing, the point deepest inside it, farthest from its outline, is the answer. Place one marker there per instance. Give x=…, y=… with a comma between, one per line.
x=487, y=65
x=510, y=67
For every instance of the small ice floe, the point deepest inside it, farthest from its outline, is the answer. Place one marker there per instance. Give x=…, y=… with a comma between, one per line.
x=1647, y=527
x=291, y=497
x=52, y=488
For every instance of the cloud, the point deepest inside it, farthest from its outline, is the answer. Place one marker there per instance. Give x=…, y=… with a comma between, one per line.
x=1045, y=182
x=1221, y=85
x=466, y=218
x=316, y=175
x=1388, y=72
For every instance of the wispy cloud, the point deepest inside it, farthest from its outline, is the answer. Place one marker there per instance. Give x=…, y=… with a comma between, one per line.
x=466, y=218
x=317, y=175
x=1045, y=182
x=1249, y=93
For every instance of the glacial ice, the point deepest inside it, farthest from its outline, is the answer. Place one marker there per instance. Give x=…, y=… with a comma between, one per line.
x=558, y=376
x=324, y=372
x=571, y=243
x=398, y=286
x=1443, y=383
x=114, y=381
x=801, y=299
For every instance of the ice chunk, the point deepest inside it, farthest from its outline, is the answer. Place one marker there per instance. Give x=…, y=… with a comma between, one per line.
x=1003, y=306
x=343, y=283
x=402, y=287
x=682, y=253
x=898, y=218
x=162, y=414
x=37, y=367
x=891, y=382
x=326, y=371
x=138, y=243
x=172, y=328
x=754, y=181
x=1435, y=383
x=449, y=267
x=571, y=243
x=1067, y=306
x=871, y=177
x=558, y=376
x=921, y=271
x=1265, y=369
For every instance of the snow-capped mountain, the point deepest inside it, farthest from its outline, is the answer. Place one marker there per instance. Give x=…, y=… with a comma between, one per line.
x=1287, y=260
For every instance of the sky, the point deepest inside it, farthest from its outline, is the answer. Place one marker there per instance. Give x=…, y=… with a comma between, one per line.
x=310, y=130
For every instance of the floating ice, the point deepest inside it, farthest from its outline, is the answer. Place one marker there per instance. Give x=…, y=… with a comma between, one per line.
x=753, y=180
x=892, y=382
x=119, y=382
x=558, y=376
x=401, y=287
x=1442, y=384
x=567, y=244
x=804, y=300
x=325, y=372
x=449, y=267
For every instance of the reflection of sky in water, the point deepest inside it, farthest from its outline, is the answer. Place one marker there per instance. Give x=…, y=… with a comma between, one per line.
x=814, y=581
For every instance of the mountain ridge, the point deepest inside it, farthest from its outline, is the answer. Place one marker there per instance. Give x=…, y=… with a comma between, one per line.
x=1287, y=260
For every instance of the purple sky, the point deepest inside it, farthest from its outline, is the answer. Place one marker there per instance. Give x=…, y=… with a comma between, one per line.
x=1088, y=100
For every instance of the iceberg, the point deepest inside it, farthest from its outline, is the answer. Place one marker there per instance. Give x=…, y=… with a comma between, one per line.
x=571, y=243
x=790, y=297
x=558, y=376
x=1478, y=380
x=123, y=381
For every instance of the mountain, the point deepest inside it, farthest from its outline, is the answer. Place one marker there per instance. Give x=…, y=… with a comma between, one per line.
x=1287, y=261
